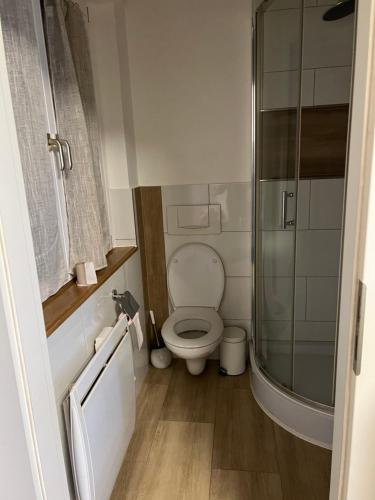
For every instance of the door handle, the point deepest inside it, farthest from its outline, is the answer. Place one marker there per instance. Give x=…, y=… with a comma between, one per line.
x=284, y=210
x=66, y=144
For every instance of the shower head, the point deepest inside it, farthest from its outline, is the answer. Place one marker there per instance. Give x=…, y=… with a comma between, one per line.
x=341, y=9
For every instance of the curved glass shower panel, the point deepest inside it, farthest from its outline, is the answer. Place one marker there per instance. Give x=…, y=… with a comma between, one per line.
x=277, y=58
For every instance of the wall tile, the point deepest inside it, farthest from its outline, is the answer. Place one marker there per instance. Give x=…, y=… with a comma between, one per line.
x=322, y=299
x=236, y=303
x=332, y=85
x=318, y=253
x=122, y=214
x=184, y=194
x=281, y=89
x=291, y=4
x=326, y=204
x=315, y=330
x=277, y=301
x=303, y=211
x=278, y=253
x=235, y=201
x=326, y=44
x=277, y=330
x=234, y=249
x=68, y=352
x=281, y=40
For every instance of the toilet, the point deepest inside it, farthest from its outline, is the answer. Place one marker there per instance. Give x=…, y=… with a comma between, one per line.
x=195, y=278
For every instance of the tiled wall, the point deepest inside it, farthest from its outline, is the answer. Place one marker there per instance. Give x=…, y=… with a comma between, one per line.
x=327, y=56
x=233, y=243
x=318, y=238
x=72, y=344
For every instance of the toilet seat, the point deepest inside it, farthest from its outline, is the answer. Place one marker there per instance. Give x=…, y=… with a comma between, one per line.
x=206, y=315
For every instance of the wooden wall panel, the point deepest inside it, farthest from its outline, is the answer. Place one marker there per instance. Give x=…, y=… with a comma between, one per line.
x=323, y=142
x=149, y=215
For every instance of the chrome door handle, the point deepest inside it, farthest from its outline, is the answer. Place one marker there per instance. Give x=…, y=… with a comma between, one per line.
x=54, y=144
x=284, y=209
x=66, y=144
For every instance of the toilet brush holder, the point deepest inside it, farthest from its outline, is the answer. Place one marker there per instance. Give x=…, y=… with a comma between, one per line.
x=161, y=357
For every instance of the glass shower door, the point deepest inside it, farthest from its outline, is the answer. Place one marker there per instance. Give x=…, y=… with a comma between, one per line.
x=277, y=92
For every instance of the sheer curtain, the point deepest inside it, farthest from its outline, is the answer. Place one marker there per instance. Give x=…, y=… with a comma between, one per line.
x=23, y=64
x=73, y=92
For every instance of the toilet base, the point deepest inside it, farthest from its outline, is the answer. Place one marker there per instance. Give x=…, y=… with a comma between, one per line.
x=196, y=366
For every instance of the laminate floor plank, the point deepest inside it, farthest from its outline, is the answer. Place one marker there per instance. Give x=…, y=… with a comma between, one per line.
x=244, y=438
x=243, y=485
x=304, y=467
x=149, y=405
x=129, y=480
x=191, y=398
x=179, y=465
x=159, y=376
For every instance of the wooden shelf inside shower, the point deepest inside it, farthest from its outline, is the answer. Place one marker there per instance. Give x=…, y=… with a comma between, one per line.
x=323, y=142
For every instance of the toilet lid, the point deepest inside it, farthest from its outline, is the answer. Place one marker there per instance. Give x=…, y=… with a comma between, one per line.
x=195, y=277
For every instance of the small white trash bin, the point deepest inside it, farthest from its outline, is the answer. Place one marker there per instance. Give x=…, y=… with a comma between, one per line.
x=233, y=350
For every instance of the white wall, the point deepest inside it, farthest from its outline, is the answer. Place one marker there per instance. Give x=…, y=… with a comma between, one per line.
x=191, y=87
x=108, y=50
x=72, y=344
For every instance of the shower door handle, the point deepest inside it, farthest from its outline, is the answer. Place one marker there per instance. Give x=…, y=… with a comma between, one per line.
x=284, y=210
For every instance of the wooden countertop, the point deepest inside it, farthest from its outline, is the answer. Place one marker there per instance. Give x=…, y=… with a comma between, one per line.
x=61, y=305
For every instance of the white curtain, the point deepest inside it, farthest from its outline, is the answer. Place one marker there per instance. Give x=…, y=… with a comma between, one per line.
x=17, y=23
x=73, y=92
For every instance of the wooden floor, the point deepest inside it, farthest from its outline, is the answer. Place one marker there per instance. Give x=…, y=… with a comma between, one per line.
x=205, y=438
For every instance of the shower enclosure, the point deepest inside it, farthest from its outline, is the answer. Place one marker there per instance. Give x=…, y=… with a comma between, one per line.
x=301, y=91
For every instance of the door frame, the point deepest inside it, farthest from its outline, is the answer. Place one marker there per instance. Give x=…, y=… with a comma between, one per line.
x=22, y=323
x=359, y=167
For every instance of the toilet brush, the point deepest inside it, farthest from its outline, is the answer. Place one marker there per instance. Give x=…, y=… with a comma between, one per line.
x=160, y=356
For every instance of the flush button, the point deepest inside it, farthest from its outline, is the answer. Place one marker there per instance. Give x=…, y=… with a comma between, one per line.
x=214, y=261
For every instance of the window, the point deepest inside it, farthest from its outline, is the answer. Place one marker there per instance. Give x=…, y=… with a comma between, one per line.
x=53, y=93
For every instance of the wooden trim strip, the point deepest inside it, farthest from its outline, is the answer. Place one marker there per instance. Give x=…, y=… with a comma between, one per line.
x=61, y=305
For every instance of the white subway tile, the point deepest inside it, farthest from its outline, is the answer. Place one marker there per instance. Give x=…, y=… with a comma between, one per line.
x=326, y=203
x=234, y=249
x=235, y=201
x=322, y=299
x=318, y=253
x=236, y=303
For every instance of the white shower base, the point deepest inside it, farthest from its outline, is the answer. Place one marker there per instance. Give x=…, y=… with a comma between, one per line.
x=308, y=423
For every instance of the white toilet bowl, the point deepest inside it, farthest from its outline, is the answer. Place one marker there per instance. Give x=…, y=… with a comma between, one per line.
x=193, y=333
x=195, y=284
